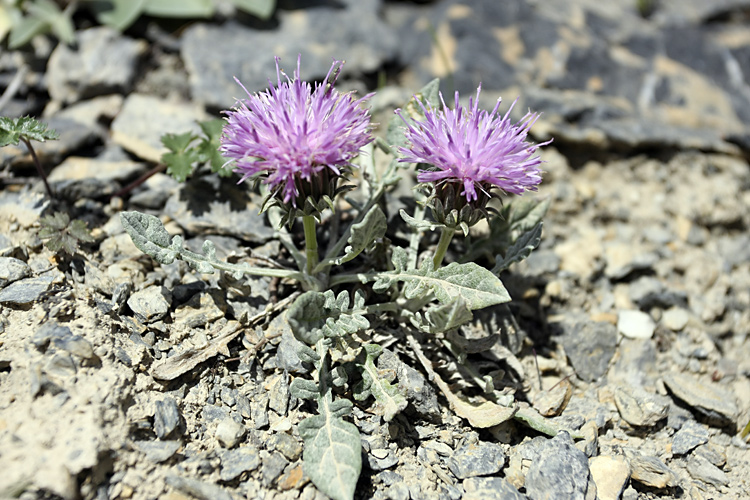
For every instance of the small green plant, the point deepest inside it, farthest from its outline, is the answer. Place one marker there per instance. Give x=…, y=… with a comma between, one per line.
x=63, y=234
x=22, y=20
x=26, y=129
x=188, y=151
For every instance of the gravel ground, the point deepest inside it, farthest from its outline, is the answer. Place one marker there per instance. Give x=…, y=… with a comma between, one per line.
x=124, y=379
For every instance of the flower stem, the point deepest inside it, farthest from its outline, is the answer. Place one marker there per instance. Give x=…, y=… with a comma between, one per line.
x=39, y=168
x=446, y=235
x=311, y=242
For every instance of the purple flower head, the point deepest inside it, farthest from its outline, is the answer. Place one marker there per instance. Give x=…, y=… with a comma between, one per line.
x=293, y=135
x=473, y=150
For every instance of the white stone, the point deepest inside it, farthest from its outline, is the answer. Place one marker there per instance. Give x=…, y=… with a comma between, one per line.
x=229, y=433
x=675, y=319
x=610, y=475
x=635, y=324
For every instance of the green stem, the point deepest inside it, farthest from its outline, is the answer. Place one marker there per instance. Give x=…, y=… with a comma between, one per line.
x=311, y=242
x=446, y=235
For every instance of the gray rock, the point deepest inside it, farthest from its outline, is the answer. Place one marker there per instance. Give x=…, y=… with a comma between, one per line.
x=75, y=344
x=78, y=177
x=151, y=303
x=381, y=459
x=166, y=417
x=640, y=408
x=419, y=393
x=26, y=291
x=155, y=192
x=398, y=491
x=611, y=474
x=229, y=433
x=198, y=489
x=278, y=390
x=12, y=270
x=158, y=451
x=560, y=471
x=273, y=465
x=490, y=488
x=235, y=462
x=635, y=324
x=143, y=119
x=212, y=413
x=48, y=332
x=590, y=347
x=315, y=33
x=651, y=471
x=287, y=444
x=260, y=411
x=104, y=62
x=691, y=435
x=703, y=470
x=209, y=205
x=711, y=400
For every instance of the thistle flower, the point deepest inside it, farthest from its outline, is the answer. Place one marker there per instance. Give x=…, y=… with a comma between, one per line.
x=472, y=152
x=298, y=139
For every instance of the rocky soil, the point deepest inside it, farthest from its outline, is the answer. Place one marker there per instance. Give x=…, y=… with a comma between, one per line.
x=124, y=379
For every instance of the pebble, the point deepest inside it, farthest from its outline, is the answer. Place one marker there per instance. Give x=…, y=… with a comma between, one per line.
x=622, y=259
x=675, y=319
x=490, y=488
x=11, y=270
x=27, y=290
x=166, y=417
x=287, y=444
x=481, y=459
x=691, y=435
x=640, y=408
x=635, y=324
x=158, y=451
x=703, y=470
x=383, y=458
x=202, y=308
x=590, y=346
x=413, y=385
x=198, y=489
x=560, y=471
x=651, y=471
x=278, y=391
x=103, y=62
x=552, y=402
x=151, y=303
x=272, y=465
x=259, y=408
x=235, y=462
x=398, y=491
x=711, y=400
x=229, y=433
x=610, y=474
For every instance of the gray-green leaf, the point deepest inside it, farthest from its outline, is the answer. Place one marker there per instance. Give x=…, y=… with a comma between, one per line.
x=315, y=315
x=519, y=250
x=332, y=456
x=478, y=286
x=390, y=400
x=149, y=235
x=363, y=234
x=449, y=316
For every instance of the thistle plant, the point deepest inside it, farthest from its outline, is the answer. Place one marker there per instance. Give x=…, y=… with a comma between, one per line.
x=302, y=143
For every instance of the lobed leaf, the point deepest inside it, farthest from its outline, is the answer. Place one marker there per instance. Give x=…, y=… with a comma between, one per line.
x=390, y=400
x=13, y=129
x=302, y=388
x=519, y=250
x=181, y=157
x=317, y=315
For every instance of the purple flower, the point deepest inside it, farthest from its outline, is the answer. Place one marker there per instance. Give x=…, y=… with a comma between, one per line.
x=294, y=135
x=473, y=149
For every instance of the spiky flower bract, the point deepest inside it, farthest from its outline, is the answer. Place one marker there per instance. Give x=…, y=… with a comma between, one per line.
x=296, y=138
x=472, y=152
